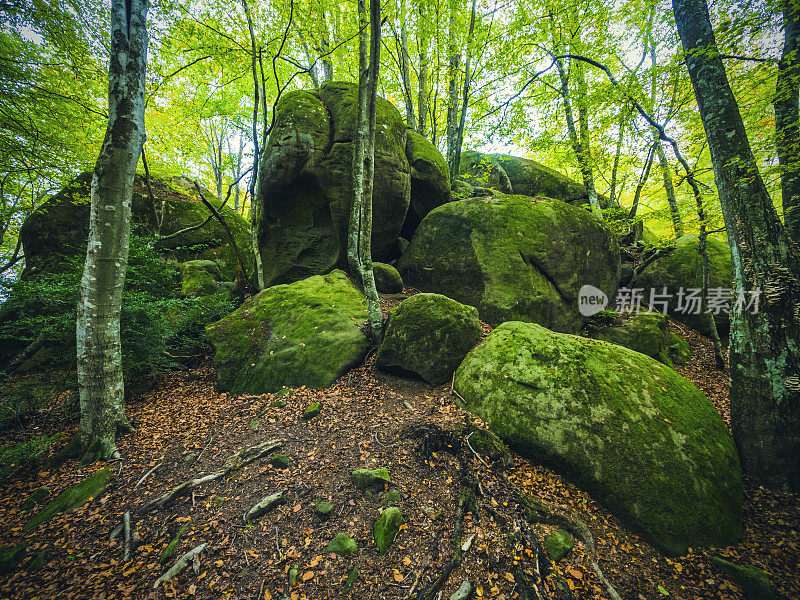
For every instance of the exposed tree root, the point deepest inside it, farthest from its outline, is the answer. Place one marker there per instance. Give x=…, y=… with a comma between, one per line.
x=533, y=574
x=233, y=463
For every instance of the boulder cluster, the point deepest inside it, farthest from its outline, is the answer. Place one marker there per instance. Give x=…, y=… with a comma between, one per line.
x=597, y=399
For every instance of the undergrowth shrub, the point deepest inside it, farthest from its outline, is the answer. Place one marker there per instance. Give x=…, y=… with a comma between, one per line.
x=15, y=456
x=156, y=325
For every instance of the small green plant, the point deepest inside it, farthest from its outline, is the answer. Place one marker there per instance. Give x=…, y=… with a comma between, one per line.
x=15, y=456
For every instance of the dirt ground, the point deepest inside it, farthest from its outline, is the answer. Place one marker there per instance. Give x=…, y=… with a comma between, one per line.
x=184, y=428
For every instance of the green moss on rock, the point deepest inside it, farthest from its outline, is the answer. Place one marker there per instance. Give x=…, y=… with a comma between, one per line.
x=305, y=333
x=513, y=258
x=342, y=545
x=387, y=279
x=641, y=439
x=430, y=180
x=683, y=268
x=558, y=544
x=366, y=478
x=199, y=278
x=73, y=497
x=531, y=178
x=312, y=411
x=645, y=332
x=386, y=528
x=11, y=556
x=482, y=170
x=428, y=335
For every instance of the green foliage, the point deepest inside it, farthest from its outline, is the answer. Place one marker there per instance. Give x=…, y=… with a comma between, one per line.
x=15, y=456
x=156, y=326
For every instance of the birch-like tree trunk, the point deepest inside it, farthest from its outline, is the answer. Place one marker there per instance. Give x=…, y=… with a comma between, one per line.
x=422, y=80
x=452, y=105
x=765, y=345
x=669, y=188
x=359, y=238
x=577, y=141
x=462, y=121
x=408, y=93
x=100, y=382
x=787, y=117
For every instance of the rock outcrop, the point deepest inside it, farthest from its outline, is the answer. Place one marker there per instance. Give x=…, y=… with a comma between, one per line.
x=428, y=335
x=305, y=182
x=513, y=258
x=636, y=435
x=304, y=333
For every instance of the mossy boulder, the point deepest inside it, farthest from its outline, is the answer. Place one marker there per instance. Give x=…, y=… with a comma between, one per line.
x=428, y=335
x=36, y=498
x=636, y=435
x=323, y=509
x=513, y=258
x=430, y=180
x=682, y=268
x=73, y=497
x=558, y=544
x=199, y=278
x=483, y=171
x=59, y=227
x=11, y=556
x=530, y=178
x=387, y=279
x=304, y=333
x=366, y=478
x=305, y=183
x=755, y=583
x=342, y=544
x=386, y=528
x=645, y=332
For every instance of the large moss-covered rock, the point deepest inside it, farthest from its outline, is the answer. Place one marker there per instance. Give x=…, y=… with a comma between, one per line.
x=305, y=182
x=428, y=335
x=513, y=258
x=682, y=269
x=304, y=333
x=645, y=332
x=386, y=528
x=530, y=178
x=641, y=439
x=199, y=278
x=430, y=180
x=387, y=279
x=59, y=227
x=483, y=171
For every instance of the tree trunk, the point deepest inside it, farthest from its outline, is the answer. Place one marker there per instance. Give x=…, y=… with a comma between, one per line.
x=576, y=142
x=648, y=164
x=452, y=105
x=787, y=107
x=422, y=80
x=100, y=383
x=585, y=146
x=462, y=121
x=669, y=188
x=324, y=44
x=255, y=207
x=408, y=94
x=359, y=239
x=764, y=352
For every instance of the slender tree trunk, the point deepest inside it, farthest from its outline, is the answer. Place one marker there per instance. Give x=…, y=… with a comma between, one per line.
x=624, y=116
x=411, y=117
x=255, y=206
x=324, y=43
x=669, y=188
x=100, y=382
x=452, y=105
x=585, y=146
x=359, y=239
x=462, y=121
x=787, y=109
x=648, y=164
x=765, y=345
x=422, y=80
x=576, y=142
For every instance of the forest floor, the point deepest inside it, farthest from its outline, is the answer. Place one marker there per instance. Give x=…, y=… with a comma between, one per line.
x=185, y=428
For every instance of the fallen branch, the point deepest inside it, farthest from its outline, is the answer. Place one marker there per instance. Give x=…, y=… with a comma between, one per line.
x=146, y=475
x=126, y=522
x=234, y=463
x=180, y=565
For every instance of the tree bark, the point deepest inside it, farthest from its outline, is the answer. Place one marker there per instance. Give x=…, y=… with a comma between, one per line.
x=764, y=351
x=669, y=188
x=359, y=239
x=99, y=350
x=422, y=80
x=462, y=121
x=452, y=105
x=787, y=109
x=411, y=117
